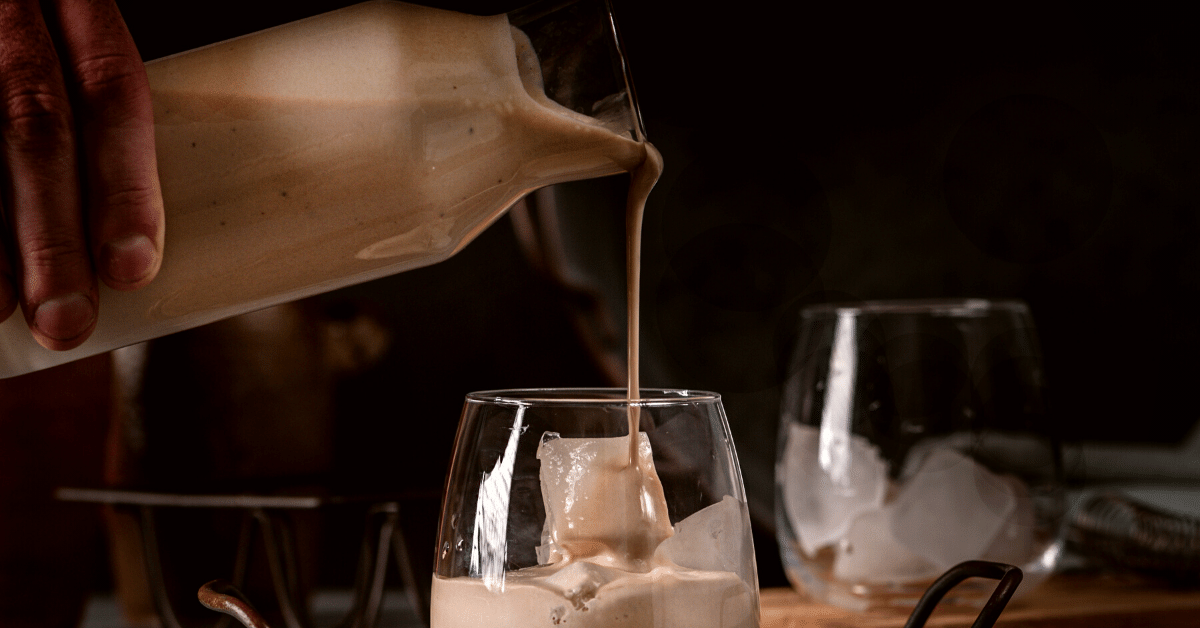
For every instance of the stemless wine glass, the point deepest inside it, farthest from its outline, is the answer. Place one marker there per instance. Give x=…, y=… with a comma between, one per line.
x=546, y=522
x=913, y=437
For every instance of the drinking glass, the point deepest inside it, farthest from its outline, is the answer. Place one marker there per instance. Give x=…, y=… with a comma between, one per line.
x=544, y=521
x=914, y=436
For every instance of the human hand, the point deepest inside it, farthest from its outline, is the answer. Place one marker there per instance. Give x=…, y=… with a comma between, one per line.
x=78, y=177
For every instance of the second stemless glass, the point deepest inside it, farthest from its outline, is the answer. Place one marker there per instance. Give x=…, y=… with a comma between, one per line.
x=538, y=528
x=914, y=437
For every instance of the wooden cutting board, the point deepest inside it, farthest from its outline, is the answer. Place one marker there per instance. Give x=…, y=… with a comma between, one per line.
x=1066, y=601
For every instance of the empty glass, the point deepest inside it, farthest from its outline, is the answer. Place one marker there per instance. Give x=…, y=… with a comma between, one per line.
x=913, y=437
x=551, y=518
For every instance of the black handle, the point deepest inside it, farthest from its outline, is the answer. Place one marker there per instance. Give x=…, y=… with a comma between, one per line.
x=1008, y=575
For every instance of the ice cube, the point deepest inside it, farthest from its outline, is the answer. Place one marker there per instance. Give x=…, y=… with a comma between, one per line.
x=715, y=538
x=820, y=506
x=599, y=505
x=579, y=582
x=870, y=553
x=951, y=509
x=1014, y=541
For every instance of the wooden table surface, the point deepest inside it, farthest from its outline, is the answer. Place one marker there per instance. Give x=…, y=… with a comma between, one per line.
x=1066, y=601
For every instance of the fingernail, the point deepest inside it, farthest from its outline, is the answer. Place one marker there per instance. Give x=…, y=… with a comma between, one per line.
x=65, y=317
x=129, y=259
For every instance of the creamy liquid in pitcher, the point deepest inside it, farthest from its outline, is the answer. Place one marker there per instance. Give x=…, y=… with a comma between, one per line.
x=334, y=150
x=419, y=127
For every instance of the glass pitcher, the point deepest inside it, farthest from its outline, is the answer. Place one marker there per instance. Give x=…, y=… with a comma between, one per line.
x=354, y=145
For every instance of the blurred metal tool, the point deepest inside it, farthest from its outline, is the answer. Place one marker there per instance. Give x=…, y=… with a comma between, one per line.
x=1120, y=531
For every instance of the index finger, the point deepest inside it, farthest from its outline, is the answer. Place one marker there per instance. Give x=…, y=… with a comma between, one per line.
x=40, y=181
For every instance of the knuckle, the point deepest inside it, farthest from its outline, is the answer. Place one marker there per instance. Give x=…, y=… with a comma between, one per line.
x=52, y=251
x=36, y=118
x=130, y=200
x=108, y=76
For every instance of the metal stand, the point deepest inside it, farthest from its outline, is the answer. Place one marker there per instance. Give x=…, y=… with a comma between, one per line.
x=268, y=517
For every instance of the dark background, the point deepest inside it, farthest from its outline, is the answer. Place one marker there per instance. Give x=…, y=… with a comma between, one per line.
x=823, y=154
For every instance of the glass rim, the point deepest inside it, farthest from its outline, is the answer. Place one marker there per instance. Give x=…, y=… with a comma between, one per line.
x=937, y=307
x=600, y=396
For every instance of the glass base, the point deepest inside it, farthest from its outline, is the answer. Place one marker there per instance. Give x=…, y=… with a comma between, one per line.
x=814, y=577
